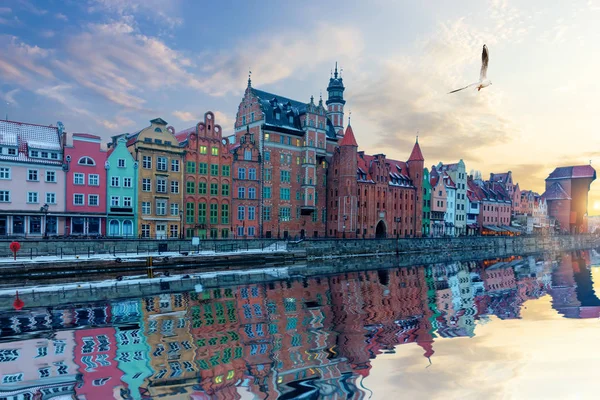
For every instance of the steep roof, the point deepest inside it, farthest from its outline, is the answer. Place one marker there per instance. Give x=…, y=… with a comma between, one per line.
x=348, y=139
x=448, y=181
x=181, y=136
x=23, y=136
x=269, y=103
x=579, y=171
x=503, y=177
x=416, y=154
x=556, y=192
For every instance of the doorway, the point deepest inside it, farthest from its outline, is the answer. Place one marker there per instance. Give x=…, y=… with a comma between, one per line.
x=380, y=231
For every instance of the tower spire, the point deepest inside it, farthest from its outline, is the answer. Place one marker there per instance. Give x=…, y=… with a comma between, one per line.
x=249, y=78
x=335, y=75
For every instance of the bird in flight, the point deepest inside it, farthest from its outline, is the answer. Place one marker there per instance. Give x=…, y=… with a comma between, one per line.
x=483, y=80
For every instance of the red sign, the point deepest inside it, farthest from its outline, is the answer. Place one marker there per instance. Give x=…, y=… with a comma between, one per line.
x=18, y=304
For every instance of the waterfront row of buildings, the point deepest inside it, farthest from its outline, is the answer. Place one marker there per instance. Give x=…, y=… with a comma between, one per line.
x=290, y=169
x=267, y=339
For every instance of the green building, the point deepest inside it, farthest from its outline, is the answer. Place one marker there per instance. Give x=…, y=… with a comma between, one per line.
x=426, y=203
x=121, y=190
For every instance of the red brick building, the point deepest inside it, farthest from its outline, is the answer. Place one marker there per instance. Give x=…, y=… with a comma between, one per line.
x=294, y=140
x=207, y=180
x=247, y=178
x=373, y=196
x=567, y=196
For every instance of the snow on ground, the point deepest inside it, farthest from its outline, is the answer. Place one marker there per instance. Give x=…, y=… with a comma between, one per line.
x=276, y=272
x=141, y=256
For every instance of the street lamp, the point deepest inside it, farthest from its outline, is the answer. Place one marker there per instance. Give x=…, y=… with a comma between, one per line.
x=180, y=224
x=44, y=210
x=397, y=220
x=344, y=227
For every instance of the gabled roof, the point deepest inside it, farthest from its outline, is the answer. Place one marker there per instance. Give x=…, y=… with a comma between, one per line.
x=158, y=121
x=181, y=136
x=556, y=192
x=348, y=139
x=271, y=103
x=24, y=135
x=579, y=171
x=503, y=177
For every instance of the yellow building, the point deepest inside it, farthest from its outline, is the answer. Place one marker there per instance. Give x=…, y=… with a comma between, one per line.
x=160, y=160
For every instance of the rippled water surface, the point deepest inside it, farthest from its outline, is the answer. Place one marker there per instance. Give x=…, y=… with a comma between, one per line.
x=512, y=328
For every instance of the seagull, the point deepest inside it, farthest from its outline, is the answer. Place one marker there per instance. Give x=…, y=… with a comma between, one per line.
x=483, y=80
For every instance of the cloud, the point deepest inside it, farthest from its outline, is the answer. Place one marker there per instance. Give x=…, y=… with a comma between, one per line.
x=5, y=10
x=61, y=16
x=9, y=97
x=406, y=95
x=118, y=123
x=26, y=5
x=185, y=116
x=47, y=34
x=164, y=11
x=22, y=63
x=225, y=121
x=273, y=58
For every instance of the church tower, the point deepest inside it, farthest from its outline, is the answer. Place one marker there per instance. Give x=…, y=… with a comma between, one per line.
x=335, y=102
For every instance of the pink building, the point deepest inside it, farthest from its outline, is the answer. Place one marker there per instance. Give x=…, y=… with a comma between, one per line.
x=86, y=185
x=495, y=204
x=39, y=368
x=95, y=352
x=438, y=203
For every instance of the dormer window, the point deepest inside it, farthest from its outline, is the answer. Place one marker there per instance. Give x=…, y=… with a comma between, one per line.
x=148, y=140
x=157, y=130
x=277, y=115
x=12, y=152
x=158, y=141
x=291, y=119
x=86, y=161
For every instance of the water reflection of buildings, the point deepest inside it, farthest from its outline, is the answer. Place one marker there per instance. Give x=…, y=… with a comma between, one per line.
x=312, y=337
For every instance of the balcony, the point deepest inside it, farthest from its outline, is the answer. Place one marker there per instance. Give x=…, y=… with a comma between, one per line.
x=121, y=210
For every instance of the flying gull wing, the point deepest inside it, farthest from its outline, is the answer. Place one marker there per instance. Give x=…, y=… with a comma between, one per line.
x=463, y=88
x=485, y=57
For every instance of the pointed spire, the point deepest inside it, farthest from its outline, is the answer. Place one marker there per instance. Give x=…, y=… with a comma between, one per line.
x=349, y=139
x=249, y=78
x=321, y=98
x=312, y=99
x=335, y=75
x=416, y=154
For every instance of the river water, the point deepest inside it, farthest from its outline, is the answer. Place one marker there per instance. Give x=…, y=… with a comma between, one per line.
x=518, y=327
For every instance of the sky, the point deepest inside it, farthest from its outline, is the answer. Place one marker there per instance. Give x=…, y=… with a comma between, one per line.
x=109, y=66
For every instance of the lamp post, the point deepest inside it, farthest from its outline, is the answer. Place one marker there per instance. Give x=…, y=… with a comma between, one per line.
x=344, y=227
x=180, y=224
x=279, y=225
x=44, y=210
x=397, y=220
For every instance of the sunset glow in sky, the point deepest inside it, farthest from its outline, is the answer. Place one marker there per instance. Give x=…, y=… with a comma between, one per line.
x=109, y=66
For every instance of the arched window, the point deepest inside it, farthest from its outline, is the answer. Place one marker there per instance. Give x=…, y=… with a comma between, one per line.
x=86, y=161
x=113, y=228
x=127, y=228
x=157, y=130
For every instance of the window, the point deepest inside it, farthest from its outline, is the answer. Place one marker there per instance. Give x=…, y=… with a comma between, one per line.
x=252, y=193
x=4, y=173
x=86, y=161
x=190, y=167
x=248, y=154
x=35, y=153
x=225, y=189
x=115, y=181
x=50, y=176
x=214, y=151
x=35, y=225
x=51, y=198
x=13, y=152
x=224, y=213
x=32, y=175
x=4, y=196
x=214, y=213
x=32, y=197
x=78, y=178
x=241, y=213
x=93, y=200
x=268, y=174
x=251, y=229
x=161, y=185
x=127, y=182
x=174, y=208
x=201, y=187
x=252, y=173
x=285, y=213
x=126, y=201
x=243, y=120
x=13, y=378
x=175, y=187
x=267, y=192
x=285, y=176
x=94, y=180
x=240, y=230
x=161, y=163
x=284, y=193
x=267, y=213
x=202, y=149
x=267, y=156
x=226, y=170
x=146, y=208
x=241, y=173
x=214, y=169
x=78, y=199
x=241, y=192
x=173, y=233
x=190, y=187
x=145, y=231
x=115, y=201
x=251, y=213
x=146, y=185
x=214, y=189
x=174, y=165
x=202, y=168
x=121, y=163
x=147, y=162
x=161, y=207
x=201, y=213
